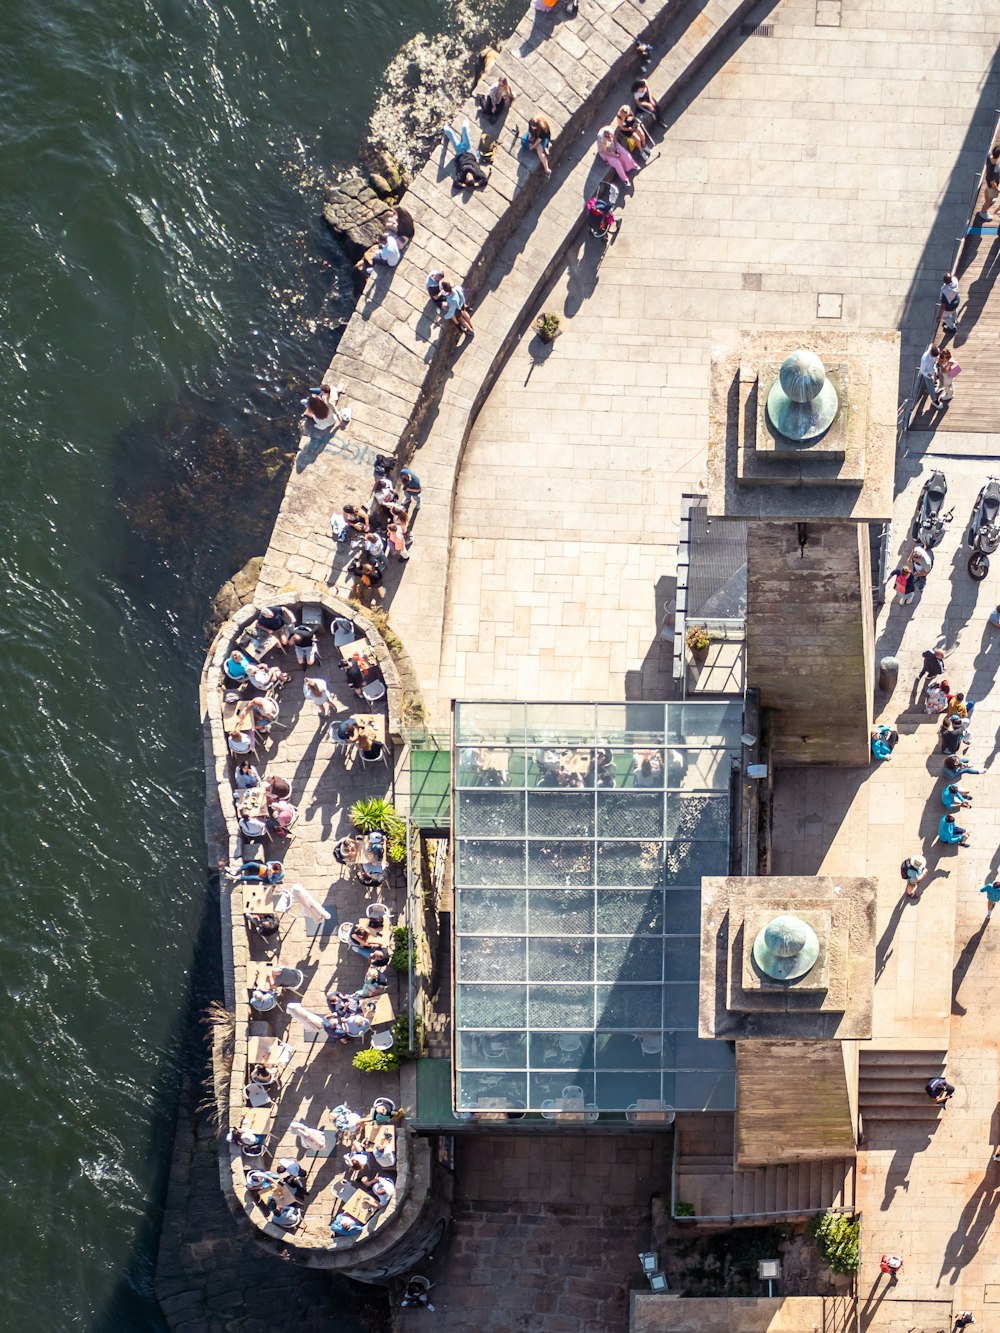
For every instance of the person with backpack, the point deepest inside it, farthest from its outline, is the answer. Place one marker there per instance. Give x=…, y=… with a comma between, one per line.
x=913, y=870
x=939, y=1090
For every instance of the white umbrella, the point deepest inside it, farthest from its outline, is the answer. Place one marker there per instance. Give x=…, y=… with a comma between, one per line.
x=309, y=1137
x=309, y=904
x=305, y=1016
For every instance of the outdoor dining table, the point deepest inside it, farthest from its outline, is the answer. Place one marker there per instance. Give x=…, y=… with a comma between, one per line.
x=491, y=1108
x=358, y=650
x=374, y=724
x=379, y=1010
x=262, y=974
x=369, y=1136
x=570, y=1108
x=268, y=1050
x=576, y=761
x=260, y=897
x=279, y=1194
x=355, y=1202
x=495, y=761
x=260, y=642
x=257, y=1119
x=649, y=1111
x=251, y=803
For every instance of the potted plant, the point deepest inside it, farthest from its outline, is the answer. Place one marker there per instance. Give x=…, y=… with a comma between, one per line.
x=697, y=639
x=547, y=327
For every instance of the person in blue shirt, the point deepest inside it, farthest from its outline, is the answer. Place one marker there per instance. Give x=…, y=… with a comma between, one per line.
x=883, y=741
x=992, y=892
x=410, y=483
x=949, y=832
x=953, y=798
x=344, y=1225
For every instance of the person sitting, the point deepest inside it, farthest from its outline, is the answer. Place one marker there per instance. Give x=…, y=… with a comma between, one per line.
x=235, y=667
x=400, y=222
x=288, y=1216
x=612, y=151
x=359, y=1162
x=956, y=706
x=249, y=1143
x=265, y=924
x=953, y=798
x=375, y=983
x=246, y=776
x=957, y=764
x=355, y=520
x=370, y=746
x=383, y=1110
x=361, y=941
x=321, y=408
x=455, y=307
x=385, y=251
x=344, y=1225
x=344, y=1119
x=883, y=741
x=277, y=620
x=630, y=133
x=291, y=1174
x=263, y=677
x=240, y=741
x=644, y=101
x=258, y=1180
x=252, y=827
x=434, y=281
x=385, y=1157
x=949, y=832
x=379, y=956
x=260, y=872
x=277, y=789
x=281, y=816
x=262, y=1001
x=496, y=100
x=260, y=713
x=936, y=697
x=953, y=735
x=383, y=1189
x=303, y=640
x=345, y=851
x=537, y=139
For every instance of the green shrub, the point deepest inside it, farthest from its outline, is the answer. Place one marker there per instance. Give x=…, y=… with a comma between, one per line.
x=838, y=1239
x=401, y=1035
x=376, y=1062
x=377, y=813
x=682, y=1209
x=547, y=327
x=402, y=945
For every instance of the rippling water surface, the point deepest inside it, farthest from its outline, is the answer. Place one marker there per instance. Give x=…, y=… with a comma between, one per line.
x=164, y=288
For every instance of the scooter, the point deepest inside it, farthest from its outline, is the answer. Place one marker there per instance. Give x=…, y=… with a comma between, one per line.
x=929, y=524
x=984, y=528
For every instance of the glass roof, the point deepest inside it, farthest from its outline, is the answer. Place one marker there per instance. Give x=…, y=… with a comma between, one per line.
x=582, y=832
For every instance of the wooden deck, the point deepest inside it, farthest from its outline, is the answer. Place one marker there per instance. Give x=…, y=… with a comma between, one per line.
x=975, y=346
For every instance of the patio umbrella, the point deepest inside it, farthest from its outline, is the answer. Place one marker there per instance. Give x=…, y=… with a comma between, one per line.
x=309, y=904
x=305, y=1016
x=308, y=1137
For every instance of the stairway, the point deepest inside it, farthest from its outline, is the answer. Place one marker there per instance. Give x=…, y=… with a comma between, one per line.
x=891, y=1084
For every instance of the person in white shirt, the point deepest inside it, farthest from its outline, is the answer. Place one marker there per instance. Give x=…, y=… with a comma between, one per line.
x=316, y=690
x=949, y=298
x=385, y=251
x=928, y=372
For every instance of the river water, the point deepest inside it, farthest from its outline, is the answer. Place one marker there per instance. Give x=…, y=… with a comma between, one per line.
x=167, y=289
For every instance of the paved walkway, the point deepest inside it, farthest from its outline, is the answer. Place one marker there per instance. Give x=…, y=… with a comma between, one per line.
x=814, y=172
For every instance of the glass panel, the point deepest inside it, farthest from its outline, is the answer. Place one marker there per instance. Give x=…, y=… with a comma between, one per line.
x=681, y=957
x=482, y=862
x=561, y=1007
x=480, y=1090
x=483, y=766
x=490, y=911
x=570, y=813
x=558, y=862
x=639, y=724
x=492, y=1006
x=705, y=1092
x=682, y=912
x=550, y=1087
x=693, y=1053
x=625, y=863
x=698, y=770
x=635, y=1008
x=489, y=814
x=570, y=912
x=477, y=722
x=567, y=724
x=680, y=1006
x=493, y=958
x=634, y=1050
x=617, y=1092
x=629, y=911
x=647, y=768
x=561, y=960
x=636, y=959
x=687, y=862
x=628, y=815
x=561, y=1050
x=716, y=724
x=698, y=816
x=492, y=1050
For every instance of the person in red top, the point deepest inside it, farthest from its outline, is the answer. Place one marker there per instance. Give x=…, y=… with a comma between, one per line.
x=891, y=1264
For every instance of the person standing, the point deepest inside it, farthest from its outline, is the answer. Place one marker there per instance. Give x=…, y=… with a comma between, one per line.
x=913, y=870
x=991, y=184
x=939, y=1090
x=992, y=892
x=933, y=665
x=921, y=561
x=949, y=298
x=891, y=1264
x=410, y=483
x=928, y=372
x=963, y=1319
x=905, y=583
x=948, y=370
x=316, y=691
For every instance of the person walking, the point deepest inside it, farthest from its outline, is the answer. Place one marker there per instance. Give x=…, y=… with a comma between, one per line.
x=950, y=833
x=991, y=184
x=948, y=371
x=921, y=561
x=963, y=1319
x=992, y=892
x=891, y=1264
x=933, y=665
x=913, y=870
x=928, y=372
x=905, y=585
x=939, y=1090
x=949, y=300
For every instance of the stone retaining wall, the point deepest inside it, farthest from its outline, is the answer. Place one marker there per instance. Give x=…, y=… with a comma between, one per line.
x=412, y=383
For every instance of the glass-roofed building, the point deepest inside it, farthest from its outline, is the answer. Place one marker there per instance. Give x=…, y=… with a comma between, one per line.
x=581, y=833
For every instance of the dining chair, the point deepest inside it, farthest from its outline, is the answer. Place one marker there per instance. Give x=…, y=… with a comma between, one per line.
x=549, y=1109
x=382, y=1041
x=572, y=1093
x=381, y=758
x=373, y=691
x=344, y=931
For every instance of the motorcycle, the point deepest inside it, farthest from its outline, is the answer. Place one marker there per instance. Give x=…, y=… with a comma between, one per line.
x=929, y=524
x=984, y=528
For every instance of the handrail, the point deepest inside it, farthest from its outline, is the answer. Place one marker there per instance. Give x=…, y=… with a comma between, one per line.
x=909, y=403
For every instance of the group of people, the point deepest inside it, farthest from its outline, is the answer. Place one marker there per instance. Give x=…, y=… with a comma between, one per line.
x=369, y=1163
x=379, y=529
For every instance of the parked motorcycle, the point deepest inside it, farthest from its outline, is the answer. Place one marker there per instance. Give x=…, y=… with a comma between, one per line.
x=929, y=524
x=984, y=528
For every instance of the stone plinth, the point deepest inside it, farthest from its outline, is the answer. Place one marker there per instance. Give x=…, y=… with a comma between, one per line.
x=735, y=1003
